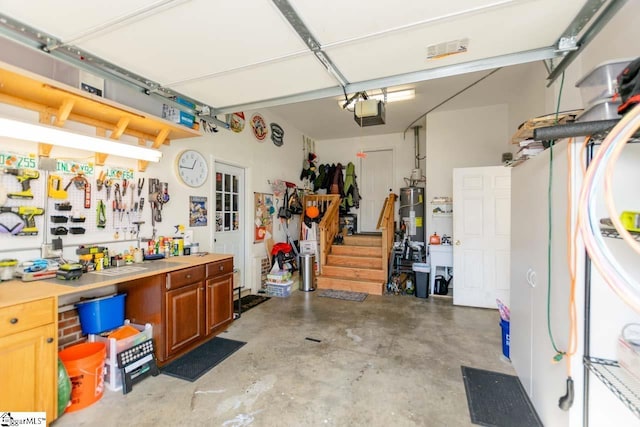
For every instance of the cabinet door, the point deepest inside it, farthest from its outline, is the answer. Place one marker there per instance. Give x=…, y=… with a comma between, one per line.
x=219, y=301
x=28, y=366
x=183, y=316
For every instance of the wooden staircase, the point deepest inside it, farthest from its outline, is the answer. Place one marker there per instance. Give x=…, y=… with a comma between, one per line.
x=357, y=265
x=360, y=264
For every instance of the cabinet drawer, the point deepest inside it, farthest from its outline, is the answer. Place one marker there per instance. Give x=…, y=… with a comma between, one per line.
x=219, y=268
x=180, y=278
x=22, y=317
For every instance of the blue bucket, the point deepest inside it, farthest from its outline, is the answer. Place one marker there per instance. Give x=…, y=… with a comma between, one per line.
x=101, y=314
x=506, y=338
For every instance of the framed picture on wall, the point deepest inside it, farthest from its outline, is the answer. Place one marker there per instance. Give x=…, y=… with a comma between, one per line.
x=263, y=216
x=197, y=211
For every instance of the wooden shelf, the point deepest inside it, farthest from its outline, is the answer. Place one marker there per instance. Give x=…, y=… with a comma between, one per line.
x=57, y=103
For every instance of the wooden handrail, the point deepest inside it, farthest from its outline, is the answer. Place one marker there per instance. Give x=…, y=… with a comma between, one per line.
x=386, y=222
x=329, y=206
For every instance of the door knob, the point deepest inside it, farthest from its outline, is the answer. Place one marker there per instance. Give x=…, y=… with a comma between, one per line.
x=458, y=243
x=49, y=340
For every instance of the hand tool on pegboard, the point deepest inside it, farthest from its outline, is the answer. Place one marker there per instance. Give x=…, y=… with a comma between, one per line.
x=27, y=214
x=81, y=183
x=140, y=185
x=132, y=187
x=100, y=180
x=101, y=216
x=108, y=184
x=54, y=187
x=24, y=177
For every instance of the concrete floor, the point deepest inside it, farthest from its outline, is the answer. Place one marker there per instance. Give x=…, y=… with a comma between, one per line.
x=388, y=361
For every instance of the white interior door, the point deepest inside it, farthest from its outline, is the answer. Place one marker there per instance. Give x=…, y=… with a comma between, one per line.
x=229, y=230
x=481, y=232
x=376, y=182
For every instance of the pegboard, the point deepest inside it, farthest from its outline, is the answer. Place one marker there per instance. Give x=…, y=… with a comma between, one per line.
x=120, y=195
x=77, y=223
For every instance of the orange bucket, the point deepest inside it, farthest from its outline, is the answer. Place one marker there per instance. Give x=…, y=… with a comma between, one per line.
x=85, y=366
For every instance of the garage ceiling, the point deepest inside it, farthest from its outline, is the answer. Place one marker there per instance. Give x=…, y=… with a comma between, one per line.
x=243, y=55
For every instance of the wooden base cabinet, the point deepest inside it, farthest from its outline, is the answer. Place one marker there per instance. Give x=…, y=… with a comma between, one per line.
x=28, y=357
x=184, y=309
x=186, y=306
x=219, y=306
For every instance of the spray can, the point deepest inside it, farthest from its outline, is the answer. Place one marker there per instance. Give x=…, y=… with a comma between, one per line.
x=178, y=246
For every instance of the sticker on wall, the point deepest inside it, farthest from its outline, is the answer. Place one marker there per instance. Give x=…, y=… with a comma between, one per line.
x=259, y=127
x=236, y=121
x=277, y=134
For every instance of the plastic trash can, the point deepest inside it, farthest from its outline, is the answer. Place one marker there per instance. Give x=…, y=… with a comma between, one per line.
x=506, y=337
x=307, y=280
x=422, y=271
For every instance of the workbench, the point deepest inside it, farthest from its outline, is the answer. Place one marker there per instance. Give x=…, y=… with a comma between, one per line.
x=188, y=300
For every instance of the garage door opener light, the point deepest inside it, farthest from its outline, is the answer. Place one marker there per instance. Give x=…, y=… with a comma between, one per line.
x=400, y=95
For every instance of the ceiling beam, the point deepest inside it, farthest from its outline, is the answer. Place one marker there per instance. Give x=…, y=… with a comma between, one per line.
x=400, y=79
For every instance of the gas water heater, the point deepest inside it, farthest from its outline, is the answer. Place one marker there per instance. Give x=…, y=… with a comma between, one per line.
x=412, y=212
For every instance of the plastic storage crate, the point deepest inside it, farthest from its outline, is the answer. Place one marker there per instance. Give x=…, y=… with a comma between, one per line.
x=605, y=109
x=101, y=314
x=112, y=374
x=601, y=82
x=279, y=289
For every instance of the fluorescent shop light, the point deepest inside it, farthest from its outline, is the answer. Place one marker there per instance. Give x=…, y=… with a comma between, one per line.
x=12, y=128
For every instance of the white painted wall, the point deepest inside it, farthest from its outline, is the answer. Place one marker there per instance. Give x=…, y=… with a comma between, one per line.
x=475, y=128
x=345, y=150
x=615, y=41
x=461, y=138
x=263, y=162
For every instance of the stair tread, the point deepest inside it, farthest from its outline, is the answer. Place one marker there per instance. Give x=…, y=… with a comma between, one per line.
x=376, y=281
x=346, y=267
x=357, y=256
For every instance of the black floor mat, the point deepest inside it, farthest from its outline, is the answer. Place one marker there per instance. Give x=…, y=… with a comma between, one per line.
x=249, y=301
x=497, y=400
x=200, y=360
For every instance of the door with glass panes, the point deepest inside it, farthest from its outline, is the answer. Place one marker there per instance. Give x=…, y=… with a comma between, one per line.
x=229, y=212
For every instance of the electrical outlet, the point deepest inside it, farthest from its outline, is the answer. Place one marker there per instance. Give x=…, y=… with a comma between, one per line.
x=49, y=252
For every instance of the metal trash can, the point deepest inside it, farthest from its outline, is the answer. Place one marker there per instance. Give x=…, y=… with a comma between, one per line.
x=307, y=280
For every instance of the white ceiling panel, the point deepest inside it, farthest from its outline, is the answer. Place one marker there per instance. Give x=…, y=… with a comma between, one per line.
x=490, y=34
x=266, y=81
x=73, y=17
x=228, y=53
x=198, y=38
x=335, y=21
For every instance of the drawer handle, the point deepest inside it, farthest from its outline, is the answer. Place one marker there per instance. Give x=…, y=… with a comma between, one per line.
x=49, y=340
x=13, y=320
x=188, y=276
x=221, y=267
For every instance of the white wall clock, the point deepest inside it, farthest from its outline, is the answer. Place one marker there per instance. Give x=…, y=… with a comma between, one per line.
x=192, y=168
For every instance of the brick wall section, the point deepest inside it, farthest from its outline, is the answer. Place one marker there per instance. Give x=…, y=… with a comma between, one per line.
x=69, y=330
x=265, y=267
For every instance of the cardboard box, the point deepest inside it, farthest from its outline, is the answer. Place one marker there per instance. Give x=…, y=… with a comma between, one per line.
x=177, y=116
